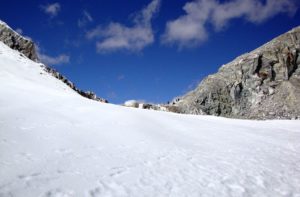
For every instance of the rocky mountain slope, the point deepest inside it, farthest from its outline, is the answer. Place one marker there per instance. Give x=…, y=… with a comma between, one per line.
x=26, y=47
x=262, y=84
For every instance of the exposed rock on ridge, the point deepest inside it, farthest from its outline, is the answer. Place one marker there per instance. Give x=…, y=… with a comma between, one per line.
x=17, y=42
x=25, y=46
x=87, y=94
x=262, y=84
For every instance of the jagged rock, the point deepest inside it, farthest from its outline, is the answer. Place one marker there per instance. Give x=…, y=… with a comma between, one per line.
x=17, y=42
x=26, y=47
x=262, y=84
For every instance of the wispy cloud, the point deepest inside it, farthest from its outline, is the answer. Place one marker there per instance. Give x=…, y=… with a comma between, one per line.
x=85, y=19
x=94, y=33
x=111, y=95
x=49, y=60
x=190, y=29
x=51, y=9
x=58, y=60
x=19, y=31
x=116, y=36
x=120, y=77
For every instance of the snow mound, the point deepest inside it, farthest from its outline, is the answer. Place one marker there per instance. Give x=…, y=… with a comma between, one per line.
x=54, y=142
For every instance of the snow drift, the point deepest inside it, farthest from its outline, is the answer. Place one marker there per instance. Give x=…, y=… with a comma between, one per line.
x=53, y=142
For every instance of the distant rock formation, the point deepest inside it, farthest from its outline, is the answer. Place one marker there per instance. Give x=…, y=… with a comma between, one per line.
x=131, y=103
x=26, y=46
x=262, y=84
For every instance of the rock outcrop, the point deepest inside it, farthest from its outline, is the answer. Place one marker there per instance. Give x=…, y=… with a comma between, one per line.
x=26, y=46
x=17, y=42
x=262, y=84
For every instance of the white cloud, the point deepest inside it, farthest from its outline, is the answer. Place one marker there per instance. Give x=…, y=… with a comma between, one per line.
x=116, y=36
x=61, y=59
x=48, y=60
x=19, y=31
x=86, y=18
x=51, y=9
x=190, y=29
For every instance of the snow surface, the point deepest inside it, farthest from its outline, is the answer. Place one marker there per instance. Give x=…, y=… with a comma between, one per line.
x=54, y=142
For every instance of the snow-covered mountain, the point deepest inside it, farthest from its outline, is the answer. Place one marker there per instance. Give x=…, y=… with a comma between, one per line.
x=27, y=47
x=54, y=142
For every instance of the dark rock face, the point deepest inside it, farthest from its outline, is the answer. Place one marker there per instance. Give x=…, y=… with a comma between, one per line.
x=262, y=84
x=26, y=47
x=17, y=42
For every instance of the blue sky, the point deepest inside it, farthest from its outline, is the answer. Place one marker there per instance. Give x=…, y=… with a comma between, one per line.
x=150, y=50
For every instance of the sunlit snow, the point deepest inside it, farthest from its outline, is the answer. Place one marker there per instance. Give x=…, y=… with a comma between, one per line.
x=54, y=142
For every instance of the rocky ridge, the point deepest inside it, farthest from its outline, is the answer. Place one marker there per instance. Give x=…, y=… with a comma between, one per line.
x=262, y=84
x=12, y=39
x=26, y=46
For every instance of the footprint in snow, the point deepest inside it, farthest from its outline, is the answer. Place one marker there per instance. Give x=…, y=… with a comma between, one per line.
x=118, y=171
x=108, y=189
x=59, y=193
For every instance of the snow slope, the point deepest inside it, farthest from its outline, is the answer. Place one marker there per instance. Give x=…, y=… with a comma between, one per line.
x=54, y=142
